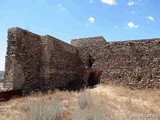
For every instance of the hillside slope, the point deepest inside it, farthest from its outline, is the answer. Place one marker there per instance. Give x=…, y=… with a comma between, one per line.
x=101, y=103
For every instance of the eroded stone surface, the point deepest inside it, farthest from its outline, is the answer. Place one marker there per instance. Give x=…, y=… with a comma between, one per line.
x=40, y=62
x=35, y=62
x=130, y=63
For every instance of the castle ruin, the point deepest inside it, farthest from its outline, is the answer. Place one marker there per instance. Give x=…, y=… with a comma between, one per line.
x=44, y=62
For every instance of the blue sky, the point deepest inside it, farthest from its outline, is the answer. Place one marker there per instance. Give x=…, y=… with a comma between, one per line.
x=116, y=20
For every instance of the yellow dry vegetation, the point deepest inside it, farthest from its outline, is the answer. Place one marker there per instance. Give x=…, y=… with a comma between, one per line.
x=104, y=102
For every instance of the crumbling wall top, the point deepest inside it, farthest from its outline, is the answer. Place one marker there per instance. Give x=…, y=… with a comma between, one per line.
x=59, y=43
x=17, y=29
x=90, y=40
x=139, y=41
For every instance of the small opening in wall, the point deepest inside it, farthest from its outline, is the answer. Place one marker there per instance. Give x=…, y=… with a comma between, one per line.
x=93, y=79
x=91, y=61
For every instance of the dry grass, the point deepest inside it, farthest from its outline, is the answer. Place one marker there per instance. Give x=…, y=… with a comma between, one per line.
x=101, y=103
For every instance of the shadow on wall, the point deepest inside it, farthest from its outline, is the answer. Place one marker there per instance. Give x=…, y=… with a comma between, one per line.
x=79, y=84
x=94, y=75
x=94, y=78
x=76, y=84
x=7, y=95
x=90, y=61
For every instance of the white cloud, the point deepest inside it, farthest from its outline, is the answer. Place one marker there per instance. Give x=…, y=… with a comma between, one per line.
x=91, y=1
x=110, y=2
x=91, y=20
x=132, y=25
x=130, y=3
x=61, y=7
x=150, y=18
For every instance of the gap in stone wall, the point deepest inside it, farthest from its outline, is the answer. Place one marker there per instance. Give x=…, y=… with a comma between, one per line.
x=90, y=61
x=94, y=78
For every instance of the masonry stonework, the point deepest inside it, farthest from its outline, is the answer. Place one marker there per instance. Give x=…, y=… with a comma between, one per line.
x=135, y=64
x=40, y=62
x=35, y=62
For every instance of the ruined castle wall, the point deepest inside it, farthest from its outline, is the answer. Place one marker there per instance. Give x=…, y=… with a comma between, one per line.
x=89, y=48
x=45, y=62
x=61, y=64
x=23, y=59
x=134, y=63
x=40, y=62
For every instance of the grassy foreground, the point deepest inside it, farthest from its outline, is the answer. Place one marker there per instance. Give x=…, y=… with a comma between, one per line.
x=105, y=102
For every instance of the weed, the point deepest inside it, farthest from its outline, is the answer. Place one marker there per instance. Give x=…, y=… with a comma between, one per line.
x=85, y=100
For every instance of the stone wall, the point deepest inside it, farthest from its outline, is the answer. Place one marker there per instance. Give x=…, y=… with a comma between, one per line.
x=23, y=59
x=61, y=65
x=35, y=62
x=131, y=63
x=1, y=76
x=40, y=62
x=89, y=48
